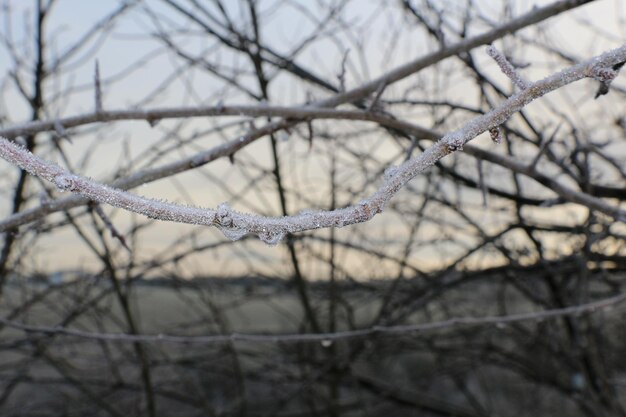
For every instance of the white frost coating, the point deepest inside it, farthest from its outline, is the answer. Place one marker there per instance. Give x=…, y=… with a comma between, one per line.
x=226, y=223
x=271, y=238
x=603, y=74
x=507, y=68
x=64, y=182
x=233, y=233
x=454, y=141
x=223, y=215
x=272, y=229
x=390, y=172
x=95, y=191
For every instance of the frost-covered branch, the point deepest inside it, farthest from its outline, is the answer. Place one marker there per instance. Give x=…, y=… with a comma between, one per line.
x=506, y=67
x=515, y=103
x=152, y=116
x=315, y=110
x=290, y=115
x=272, y=229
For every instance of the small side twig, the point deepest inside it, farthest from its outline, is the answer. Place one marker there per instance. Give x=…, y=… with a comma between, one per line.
x=109, y=224
x=98, y=88
x=482, y=183
x=374, y=105
x=341, y=76
x=543, y=147
x=507, y=68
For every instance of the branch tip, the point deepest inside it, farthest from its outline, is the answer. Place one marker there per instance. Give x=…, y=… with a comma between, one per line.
x=507, y=68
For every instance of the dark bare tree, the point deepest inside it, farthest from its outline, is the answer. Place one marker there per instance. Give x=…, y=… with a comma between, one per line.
x=294, y=208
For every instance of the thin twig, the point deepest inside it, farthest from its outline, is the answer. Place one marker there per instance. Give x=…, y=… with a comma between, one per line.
x=152, y=116
x=97, y=89
x=109, y=225
x=482, y=183
x=401, y=330
x=507, y=68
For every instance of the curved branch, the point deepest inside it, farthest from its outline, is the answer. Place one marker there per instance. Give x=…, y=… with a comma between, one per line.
x=32, y=214
x=272, y=229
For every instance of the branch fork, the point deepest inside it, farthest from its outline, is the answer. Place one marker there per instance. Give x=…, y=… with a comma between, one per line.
x=272, y=229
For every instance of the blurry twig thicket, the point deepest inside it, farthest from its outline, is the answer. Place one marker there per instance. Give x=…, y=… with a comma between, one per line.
x=491, y=284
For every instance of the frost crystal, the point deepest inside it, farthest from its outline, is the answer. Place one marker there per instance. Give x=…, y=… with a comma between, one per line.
x=342, y=221
x=390, y=172
x=233, y=233
x=223, y=215
x=64, y=182
x=364, y=212
x=226, y=223
x=455, y=142
x=603, y=74
x=271, y=238
x=506, y=67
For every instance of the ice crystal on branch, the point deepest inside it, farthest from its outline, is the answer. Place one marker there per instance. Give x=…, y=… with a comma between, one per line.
x=454, y=141
x=270, y=237
x=271, y=229
x=65, y=182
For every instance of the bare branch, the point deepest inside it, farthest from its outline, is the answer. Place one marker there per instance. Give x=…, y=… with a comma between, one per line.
x=97, y=88
x=506, y=67
x=401, y=330
x=152, y=116
x=272, y=229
